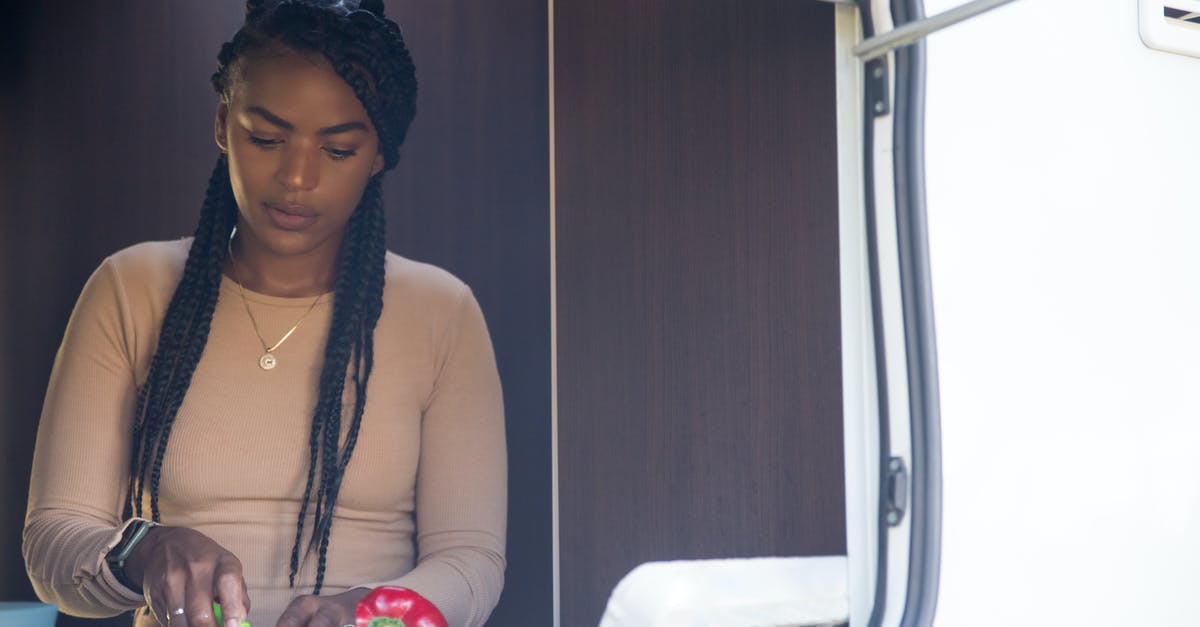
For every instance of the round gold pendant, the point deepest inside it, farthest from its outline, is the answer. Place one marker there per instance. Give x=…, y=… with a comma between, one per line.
x=267, y=361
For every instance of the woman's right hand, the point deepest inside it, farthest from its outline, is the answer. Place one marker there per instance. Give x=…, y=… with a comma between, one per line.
x=181, y=568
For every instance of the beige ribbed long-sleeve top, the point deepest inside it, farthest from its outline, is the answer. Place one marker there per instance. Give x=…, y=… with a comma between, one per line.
x=429, y=467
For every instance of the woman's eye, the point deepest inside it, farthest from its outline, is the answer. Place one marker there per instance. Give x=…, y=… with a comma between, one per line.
x=264, y=142
x=338, y=155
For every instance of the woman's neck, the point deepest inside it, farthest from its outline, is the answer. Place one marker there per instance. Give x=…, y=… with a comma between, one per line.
x=291, y=276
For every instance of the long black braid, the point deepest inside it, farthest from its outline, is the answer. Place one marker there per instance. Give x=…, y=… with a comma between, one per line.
x=368, y=52
x=182, y=338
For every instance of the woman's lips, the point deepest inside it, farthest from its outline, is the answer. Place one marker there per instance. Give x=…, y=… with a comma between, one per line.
x=290, y=217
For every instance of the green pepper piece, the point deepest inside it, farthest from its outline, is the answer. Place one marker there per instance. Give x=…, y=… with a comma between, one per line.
x=217, y=614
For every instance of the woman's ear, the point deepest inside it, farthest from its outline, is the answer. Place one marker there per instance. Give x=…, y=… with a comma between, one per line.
x=377, y=166
x=219, y=126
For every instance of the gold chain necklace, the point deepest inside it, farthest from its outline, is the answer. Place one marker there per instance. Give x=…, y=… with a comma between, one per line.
x=268, y=360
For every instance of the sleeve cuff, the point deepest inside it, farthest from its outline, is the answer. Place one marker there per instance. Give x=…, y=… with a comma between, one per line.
x=105, y=574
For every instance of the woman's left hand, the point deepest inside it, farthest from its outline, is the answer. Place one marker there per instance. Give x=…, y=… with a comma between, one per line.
x=322, y=611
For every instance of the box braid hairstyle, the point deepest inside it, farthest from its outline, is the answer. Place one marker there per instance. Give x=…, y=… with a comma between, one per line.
x=368, y=52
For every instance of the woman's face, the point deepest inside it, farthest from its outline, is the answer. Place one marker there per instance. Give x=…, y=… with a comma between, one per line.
x=301, y=149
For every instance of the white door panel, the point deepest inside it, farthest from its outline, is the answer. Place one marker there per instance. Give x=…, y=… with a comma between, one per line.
x=1062, y=158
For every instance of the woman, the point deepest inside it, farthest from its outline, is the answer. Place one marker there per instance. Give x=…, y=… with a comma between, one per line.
x=294, y=405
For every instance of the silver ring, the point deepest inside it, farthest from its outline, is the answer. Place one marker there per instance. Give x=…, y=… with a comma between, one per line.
x=178, y=612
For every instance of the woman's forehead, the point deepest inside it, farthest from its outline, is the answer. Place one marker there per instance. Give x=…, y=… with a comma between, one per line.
x=302, y=88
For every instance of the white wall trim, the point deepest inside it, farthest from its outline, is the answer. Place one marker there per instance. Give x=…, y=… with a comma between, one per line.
x=860, y=411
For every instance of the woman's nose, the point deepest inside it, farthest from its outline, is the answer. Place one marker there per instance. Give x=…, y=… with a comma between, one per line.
x=299, y=169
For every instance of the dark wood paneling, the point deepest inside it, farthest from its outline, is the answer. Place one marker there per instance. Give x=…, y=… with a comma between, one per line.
x=699, y=372
x=107, y=130
x=472, y=194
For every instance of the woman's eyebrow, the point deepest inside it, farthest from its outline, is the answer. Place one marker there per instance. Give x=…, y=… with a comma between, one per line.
x=342, y=128
x=270, y=117
x=284, y=124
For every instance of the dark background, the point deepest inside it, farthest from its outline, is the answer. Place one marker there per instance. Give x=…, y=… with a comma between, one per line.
x=106, y=121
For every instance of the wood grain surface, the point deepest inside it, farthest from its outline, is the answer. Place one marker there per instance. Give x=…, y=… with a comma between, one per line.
x=699, y=387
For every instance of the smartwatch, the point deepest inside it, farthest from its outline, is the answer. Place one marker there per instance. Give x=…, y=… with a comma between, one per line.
x=134, y=533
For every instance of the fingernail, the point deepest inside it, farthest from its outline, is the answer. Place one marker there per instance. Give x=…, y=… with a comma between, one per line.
x=233, y=622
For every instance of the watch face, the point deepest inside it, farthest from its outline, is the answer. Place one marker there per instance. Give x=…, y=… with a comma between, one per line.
x=129, y=538
x=115, y=558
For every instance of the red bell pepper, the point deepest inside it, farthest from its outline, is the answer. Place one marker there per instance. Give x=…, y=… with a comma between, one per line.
x=390, y=606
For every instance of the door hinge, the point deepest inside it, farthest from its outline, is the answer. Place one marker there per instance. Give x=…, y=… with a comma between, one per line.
x=878, y=98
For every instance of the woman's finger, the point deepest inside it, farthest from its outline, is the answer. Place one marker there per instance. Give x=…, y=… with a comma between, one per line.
x=158, y=608
x=299, y=611
x=328, y=615
x=170, y=608
x=327, y=611
x=199, y=602
x=230, y=587
x=177, y=617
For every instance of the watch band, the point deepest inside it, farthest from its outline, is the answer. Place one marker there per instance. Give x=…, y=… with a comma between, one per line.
x=134, y=533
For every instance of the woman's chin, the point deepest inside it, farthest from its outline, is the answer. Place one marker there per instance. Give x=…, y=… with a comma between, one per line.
x=282, y=243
